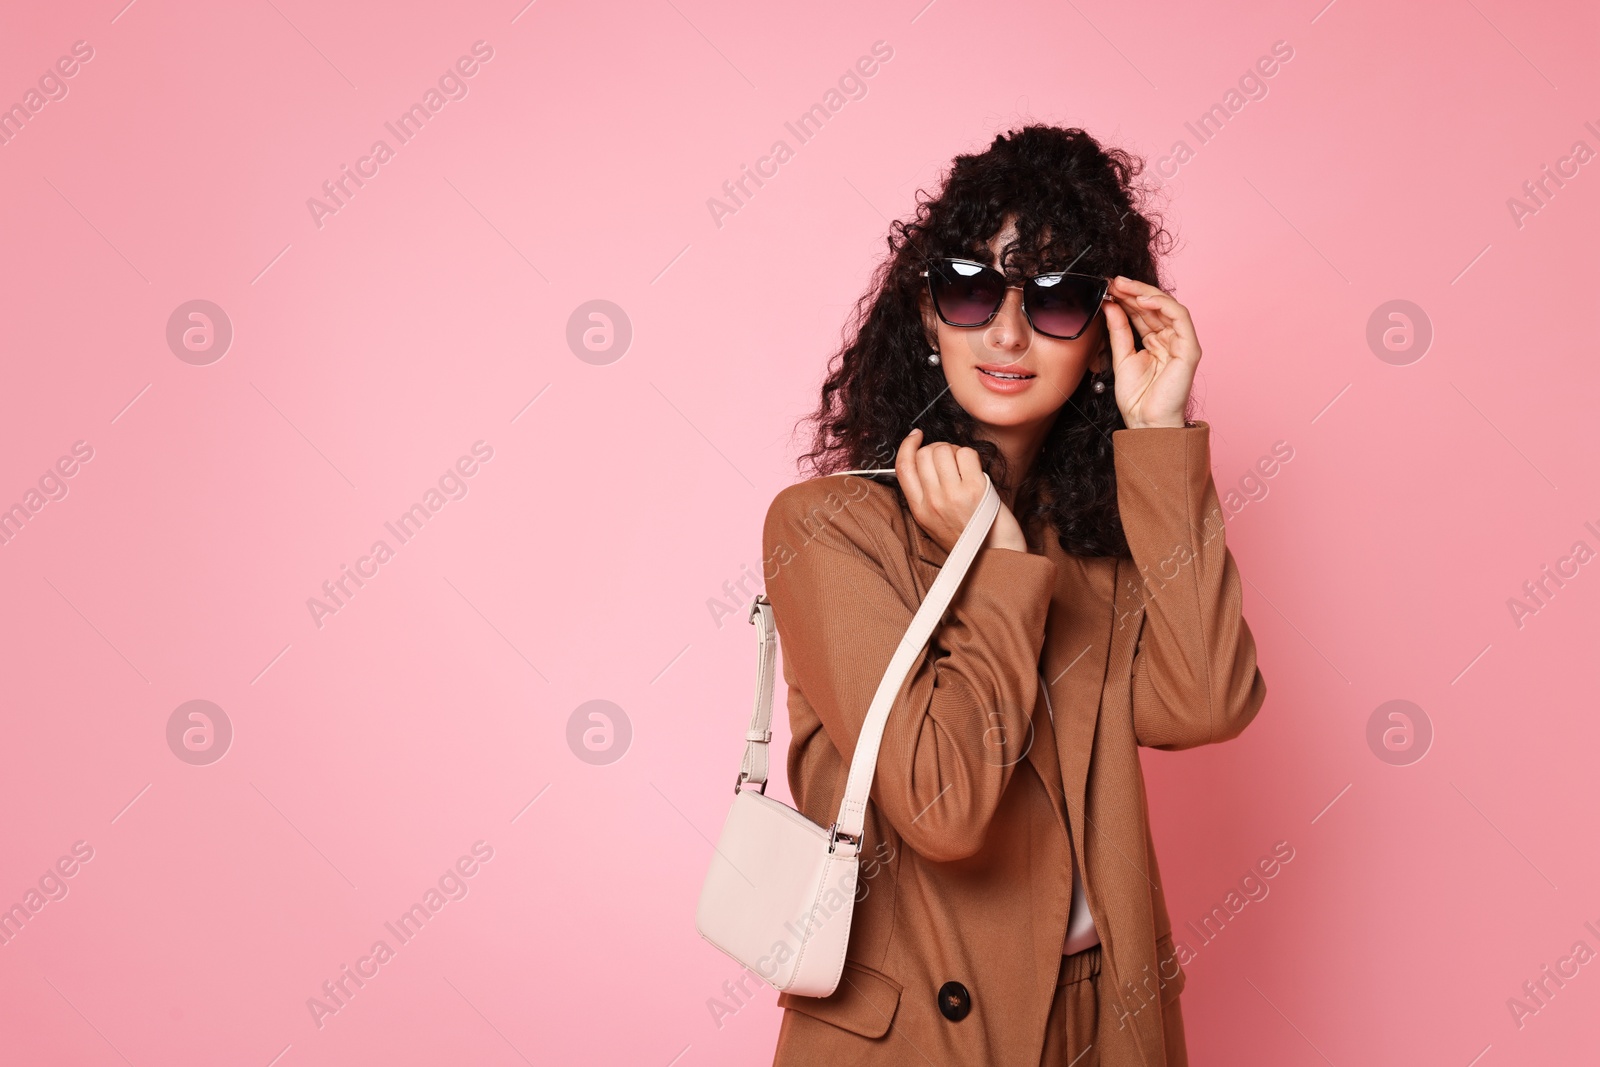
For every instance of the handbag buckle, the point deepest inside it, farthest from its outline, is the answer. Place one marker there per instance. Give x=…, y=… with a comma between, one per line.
x=835, y=835
x=755, y=606
x=738, y=784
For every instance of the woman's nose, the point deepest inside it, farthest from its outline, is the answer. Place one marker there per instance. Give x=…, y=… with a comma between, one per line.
x=1010, y=321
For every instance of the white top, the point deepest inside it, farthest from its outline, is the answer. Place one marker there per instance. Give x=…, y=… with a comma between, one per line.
x=1081, y=933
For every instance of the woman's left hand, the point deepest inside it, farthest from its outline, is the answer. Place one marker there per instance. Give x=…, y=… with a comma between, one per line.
x=1152, y=384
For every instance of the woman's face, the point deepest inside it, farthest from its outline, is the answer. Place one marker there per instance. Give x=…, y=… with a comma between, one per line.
x=982, y=364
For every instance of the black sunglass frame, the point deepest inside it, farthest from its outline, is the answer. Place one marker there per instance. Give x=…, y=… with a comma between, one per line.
x=1027, y=287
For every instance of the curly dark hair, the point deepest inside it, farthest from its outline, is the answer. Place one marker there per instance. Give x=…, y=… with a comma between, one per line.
x=1077, y=206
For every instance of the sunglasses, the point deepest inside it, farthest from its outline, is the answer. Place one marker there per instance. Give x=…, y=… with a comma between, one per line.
x=1059, y=304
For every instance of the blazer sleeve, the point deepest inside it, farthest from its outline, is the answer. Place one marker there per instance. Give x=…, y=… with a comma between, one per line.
x=960, y=723
x=1195, y=679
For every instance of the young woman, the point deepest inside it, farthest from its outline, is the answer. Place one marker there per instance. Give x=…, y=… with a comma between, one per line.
x=1011, y=909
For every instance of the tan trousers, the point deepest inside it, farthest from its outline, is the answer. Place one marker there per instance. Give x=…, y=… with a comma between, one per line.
x=1069, y=1037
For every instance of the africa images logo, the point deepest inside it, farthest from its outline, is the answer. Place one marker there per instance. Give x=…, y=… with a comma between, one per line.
x=451, y=85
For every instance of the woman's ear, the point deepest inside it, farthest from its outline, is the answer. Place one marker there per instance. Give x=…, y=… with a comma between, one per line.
x=1101, y=362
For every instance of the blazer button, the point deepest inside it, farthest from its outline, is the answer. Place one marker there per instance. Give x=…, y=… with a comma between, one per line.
x=954, y=1001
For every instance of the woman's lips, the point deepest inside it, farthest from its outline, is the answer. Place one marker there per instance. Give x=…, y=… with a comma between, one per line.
x=1003, y=379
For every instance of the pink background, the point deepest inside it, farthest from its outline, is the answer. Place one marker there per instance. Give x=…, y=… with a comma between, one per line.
x=370, y=753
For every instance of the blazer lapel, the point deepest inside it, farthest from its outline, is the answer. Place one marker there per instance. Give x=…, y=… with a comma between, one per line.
x=1082, y=617
x=1042, y=754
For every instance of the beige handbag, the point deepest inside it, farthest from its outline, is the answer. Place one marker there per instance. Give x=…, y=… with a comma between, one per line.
x=780, y=891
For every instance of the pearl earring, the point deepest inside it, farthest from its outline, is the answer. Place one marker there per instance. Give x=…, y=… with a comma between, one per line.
x=1099, y=386
x=933, y=358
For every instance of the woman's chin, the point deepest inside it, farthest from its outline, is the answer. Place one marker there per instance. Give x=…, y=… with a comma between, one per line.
x=1006, y=415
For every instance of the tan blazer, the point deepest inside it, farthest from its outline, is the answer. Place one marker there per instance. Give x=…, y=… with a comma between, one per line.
x=981, y=800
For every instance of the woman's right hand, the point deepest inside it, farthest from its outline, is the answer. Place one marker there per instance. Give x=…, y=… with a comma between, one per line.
x=944, y=485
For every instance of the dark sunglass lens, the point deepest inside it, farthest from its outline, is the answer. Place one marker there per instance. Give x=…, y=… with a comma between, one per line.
x=967, y=293
x=1062, y=306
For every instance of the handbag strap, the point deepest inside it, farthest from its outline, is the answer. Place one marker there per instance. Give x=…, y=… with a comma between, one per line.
x=864, y=763
x=754, y=766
